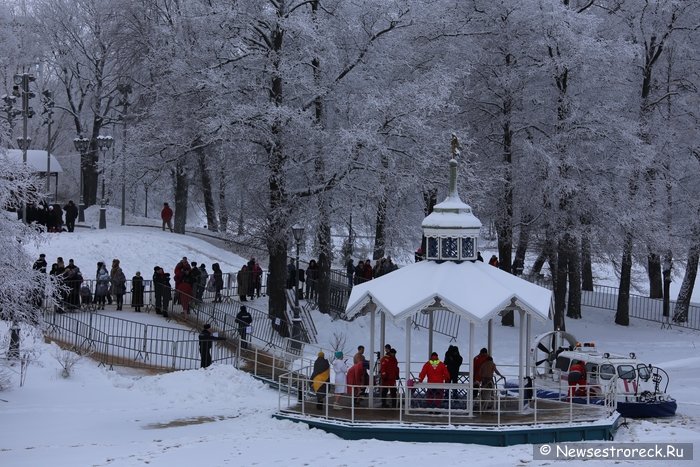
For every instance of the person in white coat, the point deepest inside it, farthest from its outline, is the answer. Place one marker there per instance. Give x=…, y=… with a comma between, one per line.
x=340, y=368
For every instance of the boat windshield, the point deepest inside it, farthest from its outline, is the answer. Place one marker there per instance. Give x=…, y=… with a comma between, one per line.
x=607, y=371
x=644, y=373
x=626, y=372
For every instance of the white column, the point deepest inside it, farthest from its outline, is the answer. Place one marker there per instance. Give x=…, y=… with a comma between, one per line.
x=489, y=344
x=430, y=332
x=372, y=325
x=382, y=332
x=409, y=323
x=521, y=360
x=470, y=390
x=528, y=362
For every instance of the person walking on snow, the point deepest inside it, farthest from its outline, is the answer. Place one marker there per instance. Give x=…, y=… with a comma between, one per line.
x=166, y=215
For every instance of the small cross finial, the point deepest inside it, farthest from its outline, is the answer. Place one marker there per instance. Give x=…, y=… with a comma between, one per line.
x=455, y=145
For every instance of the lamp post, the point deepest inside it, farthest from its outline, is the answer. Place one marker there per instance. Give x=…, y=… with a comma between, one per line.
x=81, y=145
x=48, y=103
x=22, y=81
x=298, y=232
x=104, y=143
x=124, y=89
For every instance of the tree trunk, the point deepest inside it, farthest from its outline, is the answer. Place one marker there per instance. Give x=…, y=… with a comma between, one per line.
x=622, y=316
x=223, y=208
x=277, y=234
x=680, y=311
x=539, y=262
x=521, y=249
x=379, y=230
x=325, y=246
x=559, y=277
x=429, y=200
x=181, y=197
x=207, y=192
x=656, y=286
x=380, y=225
x=573, y=309
x=586, y=264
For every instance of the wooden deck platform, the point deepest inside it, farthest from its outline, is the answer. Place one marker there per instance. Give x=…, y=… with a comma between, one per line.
x=553, y=421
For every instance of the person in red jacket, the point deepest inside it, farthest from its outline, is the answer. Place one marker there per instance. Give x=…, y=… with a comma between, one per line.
x=357, y=378
x=476, y=370
x=576, y=378
x=436, y=372
x=389, y=368
x=166, y=214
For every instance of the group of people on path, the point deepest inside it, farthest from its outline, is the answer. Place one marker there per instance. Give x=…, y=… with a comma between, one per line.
x=76, y=293
x=364, y=271
x=51, y=216
x=249, y=280
x=308, y=279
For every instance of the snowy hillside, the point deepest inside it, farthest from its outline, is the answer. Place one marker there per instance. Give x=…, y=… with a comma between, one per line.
x=220, y=416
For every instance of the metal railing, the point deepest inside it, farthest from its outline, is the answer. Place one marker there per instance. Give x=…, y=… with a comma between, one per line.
x=650, y=309
x=428, y=403
x=116, y=341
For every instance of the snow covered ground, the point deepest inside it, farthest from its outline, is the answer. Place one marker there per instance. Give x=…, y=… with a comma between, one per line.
x=220, y=416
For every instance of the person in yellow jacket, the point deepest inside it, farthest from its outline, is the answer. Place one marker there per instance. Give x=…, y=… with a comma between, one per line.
x=320, y=378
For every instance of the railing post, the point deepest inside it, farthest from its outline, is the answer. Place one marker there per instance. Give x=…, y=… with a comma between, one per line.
x=174, y=350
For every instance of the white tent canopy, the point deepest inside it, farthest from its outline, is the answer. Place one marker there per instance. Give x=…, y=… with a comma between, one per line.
x=36, y=160
x=474, y=290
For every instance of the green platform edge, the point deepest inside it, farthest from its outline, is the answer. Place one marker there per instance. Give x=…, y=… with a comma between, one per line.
x=603, y=430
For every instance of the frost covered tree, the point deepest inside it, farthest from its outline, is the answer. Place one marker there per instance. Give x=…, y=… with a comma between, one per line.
x=22, y=286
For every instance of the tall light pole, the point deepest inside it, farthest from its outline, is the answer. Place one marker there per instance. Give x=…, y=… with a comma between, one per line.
x=23, y=81
x=124, y=89
x=104, y=143
x=298, y=232
x=81, y=145
x=47, y=100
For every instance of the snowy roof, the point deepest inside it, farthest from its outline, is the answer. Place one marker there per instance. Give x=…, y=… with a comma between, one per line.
x=36, y=159
x=474, y=290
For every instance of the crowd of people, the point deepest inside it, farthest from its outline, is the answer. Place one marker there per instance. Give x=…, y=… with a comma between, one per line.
x=363, y=271
x=110, y=285
x=351, y=379
x=51, y=216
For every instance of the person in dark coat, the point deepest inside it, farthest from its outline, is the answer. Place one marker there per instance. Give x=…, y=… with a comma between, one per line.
x=137, y=291
x=291, y=275
x=218, y=281
x=206, y=339
x=256, y=275
x=167, y=293
x=311, y=279
x=118, y=281
x=202, y=284
x=158, y=288
x=194, y=276
x=242, y=281
x=40, y=266
x=320, y=378
x=350, y=271
x=71, y=215
x=244, y=319
x=453, y=360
